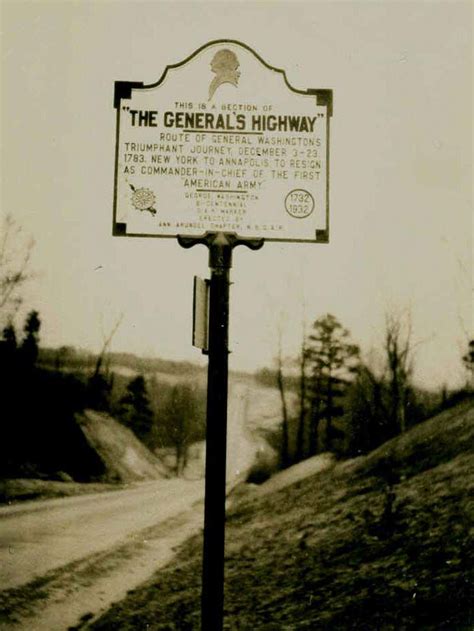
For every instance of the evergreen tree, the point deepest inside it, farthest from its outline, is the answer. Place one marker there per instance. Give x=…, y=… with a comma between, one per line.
x=98, y=391
x=135, y=411
x=332, y=359
x=8, y=349
x=369, y=412
x=30, y=343
x=9, y=337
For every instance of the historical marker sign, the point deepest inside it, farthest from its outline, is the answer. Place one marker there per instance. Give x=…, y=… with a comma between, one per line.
x=222, y=143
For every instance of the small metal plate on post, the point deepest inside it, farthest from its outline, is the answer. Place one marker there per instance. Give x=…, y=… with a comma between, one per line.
x=201, y=313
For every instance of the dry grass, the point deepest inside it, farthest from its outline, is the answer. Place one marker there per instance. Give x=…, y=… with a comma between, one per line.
x=380, y=542
x=23, y=489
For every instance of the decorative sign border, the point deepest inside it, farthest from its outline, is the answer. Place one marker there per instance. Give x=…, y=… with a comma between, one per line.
x=144, y=199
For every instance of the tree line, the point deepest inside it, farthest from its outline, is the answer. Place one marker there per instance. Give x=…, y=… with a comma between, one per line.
x=334, y=400
x=163, y=416
x=39, y=433
x=44, y=389
x=344, y=404
x=39, y=436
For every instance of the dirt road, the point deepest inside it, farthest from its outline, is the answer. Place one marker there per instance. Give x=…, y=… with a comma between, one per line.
x=69, y=559
x=40, y=536
x=94, y=547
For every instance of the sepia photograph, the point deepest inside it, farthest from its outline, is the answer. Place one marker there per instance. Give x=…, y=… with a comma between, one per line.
x=236, y=315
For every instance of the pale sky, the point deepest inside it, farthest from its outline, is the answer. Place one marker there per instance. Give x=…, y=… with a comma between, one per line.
x=400, y=184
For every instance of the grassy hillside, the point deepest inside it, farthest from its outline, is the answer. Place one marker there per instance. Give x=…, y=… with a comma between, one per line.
x=379, y=542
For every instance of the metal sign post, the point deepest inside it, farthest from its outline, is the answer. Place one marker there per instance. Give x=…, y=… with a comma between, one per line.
x=220, y=261
x=223, y=151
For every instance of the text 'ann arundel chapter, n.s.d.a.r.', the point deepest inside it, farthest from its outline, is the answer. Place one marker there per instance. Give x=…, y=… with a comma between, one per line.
x=222, y=143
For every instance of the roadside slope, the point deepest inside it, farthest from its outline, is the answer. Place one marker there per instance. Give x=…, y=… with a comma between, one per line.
x=379, y=542
x=124, y=457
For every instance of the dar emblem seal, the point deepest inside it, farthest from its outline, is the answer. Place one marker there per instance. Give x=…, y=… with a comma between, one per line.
x=143, y=199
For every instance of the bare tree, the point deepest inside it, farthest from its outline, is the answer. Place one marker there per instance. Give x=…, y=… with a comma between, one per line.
x=181, y=422
x=99, y=385
x=300, y=436
x=15, y=259
x=106, y=342
x=398, y=352
x=285, y=455
x=303, y=394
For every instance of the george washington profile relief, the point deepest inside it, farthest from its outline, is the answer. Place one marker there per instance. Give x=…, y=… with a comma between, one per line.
x=225, y=66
